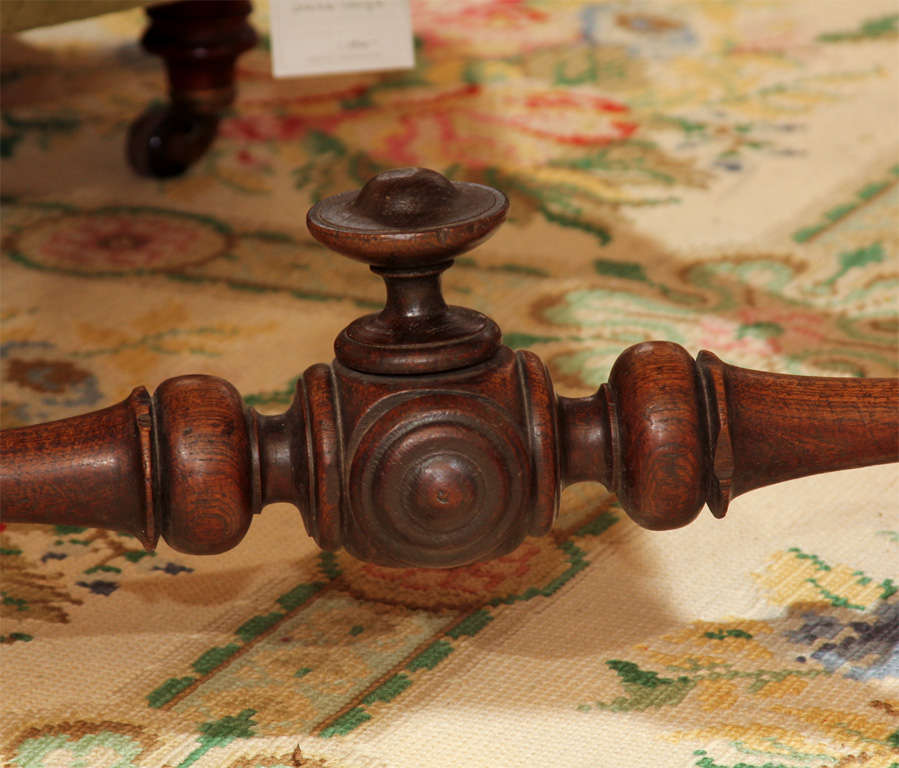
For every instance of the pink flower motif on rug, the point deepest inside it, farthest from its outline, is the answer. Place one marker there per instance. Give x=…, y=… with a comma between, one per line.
x=114, y=241
x=262, y=126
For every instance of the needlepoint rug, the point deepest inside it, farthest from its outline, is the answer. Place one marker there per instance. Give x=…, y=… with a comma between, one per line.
x=724, y=175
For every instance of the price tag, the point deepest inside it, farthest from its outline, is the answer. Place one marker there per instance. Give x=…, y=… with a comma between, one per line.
x=315, y=37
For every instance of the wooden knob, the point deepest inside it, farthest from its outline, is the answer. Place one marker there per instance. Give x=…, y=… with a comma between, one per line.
x=408, y=224
x=408, y=219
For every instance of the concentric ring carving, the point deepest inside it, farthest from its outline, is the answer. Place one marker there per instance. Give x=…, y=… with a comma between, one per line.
x=440, y=479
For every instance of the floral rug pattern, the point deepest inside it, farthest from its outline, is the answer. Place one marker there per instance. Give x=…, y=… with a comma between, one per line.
x=724, y=175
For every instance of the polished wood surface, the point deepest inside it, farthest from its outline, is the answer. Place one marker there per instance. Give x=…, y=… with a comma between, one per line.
x=94, y=470
x=427, y=442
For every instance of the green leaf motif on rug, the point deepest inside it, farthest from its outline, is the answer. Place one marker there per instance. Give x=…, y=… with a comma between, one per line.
x=169, y=690
x=519, y=269
x=760, y=330
x=888, y=587
x=849, y=260
x=626, y=270
x=220, y=733
x=838, y=601
x=388, y=690
x=329, y=566
x=471, y=625
x=645, y=689
x=597, y=525
x=65, y=530
x=329, y=164
x=214, y=658
x=257, y=625
x=723, y=634
x=274, y=397
x=820, y=565
x=136, y=555
x=556, y=203
x=82, y=750
x=43, y=128
x=10, y=551
x=707, y=762
x=20, y=603
x=630, y=673
x=298, y=595
x=881, y=27
x=517, y=340
x=102, y=569
x=839, y=212
x=346, y=723
x=431, y=656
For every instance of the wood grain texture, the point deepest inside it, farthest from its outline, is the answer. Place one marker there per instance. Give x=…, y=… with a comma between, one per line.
x=92, y=470
x=427, y=443
x=439, y=469
x=207, y=491
x=783, y=427
x=408, y=224
x=660, y=457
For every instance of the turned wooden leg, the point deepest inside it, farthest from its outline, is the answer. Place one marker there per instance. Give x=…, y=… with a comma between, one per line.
x=200, y=41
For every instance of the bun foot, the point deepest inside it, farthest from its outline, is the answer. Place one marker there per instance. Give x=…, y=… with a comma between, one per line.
x=165, y=141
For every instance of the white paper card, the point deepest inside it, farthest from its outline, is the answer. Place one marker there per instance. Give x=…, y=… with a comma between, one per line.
x=315, y=37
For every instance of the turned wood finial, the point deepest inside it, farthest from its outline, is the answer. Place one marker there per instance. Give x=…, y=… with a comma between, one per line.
x=427, y=442
x=408, y=224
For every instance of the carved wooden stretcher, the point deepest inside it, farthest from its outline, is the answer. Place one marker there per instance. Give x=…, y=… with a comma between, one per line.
x=427, y=442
